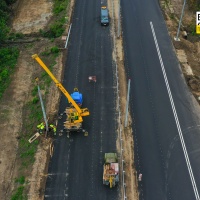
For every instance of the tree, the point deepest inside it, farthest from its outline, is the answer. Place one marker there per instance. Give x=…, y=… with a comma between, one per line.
x=3, y=30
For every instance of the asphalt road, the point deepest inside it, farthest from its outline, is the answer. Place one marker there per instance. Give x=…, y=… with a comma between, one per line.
x=76, y=168
x=159, y=150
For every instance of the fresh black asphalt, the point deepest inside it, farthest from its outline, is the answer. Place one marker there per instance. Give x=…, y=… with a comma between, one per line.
x=76, y=168
x=158, y=152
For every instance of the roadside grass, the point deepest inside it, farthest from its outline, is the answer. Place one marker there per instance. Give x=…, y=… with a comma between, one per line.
x=32, y=111
x=8, y=61
x=18, y=195
x=33, y=116
x=15, y=36
x=56, y=28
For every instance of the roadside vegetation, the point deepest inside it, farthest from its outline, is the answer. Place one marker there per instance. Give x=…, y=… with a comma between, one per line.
x=32, y=110
x=56, y=27
x=194, y=5
x=8, y=55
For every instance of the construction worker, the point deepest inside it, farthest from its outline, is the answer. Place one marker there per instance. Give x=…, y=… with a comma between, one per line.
x=41, y=127
x=52, y=128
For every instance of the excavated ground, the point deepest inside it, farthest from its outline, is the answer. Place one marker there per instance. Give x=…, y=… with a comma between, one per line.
x=188, y=48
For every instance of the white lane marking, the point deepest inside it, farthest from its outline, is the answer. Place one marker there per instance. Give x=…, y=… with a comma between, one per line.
x=176, y=117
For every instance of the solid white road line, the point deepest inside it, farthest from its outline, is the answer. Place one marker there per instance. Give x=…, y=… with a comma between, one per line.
x=176, y=117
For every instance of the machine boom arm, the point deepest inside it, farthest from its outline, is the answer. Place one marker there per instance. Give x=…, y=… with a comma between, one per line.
x=58, y=84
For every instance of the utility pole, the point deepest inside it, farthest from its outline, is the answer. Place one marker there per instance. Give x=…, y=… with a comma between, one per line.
x=127, y=102
x=42, y=105
x=119, y=25
x=180, y=21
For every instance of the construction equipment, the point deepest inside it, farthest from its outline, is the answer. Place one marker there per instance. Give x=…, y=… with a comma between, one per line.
x=110, y=170
x=74, y=113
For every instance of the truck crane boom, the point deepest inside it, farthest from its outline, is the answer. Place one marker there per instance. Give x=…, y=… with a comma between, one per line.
x=81, y=111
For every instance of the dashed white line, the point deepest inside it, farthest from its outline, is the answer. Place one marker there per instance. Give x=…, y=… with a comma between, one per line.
x=176, y=117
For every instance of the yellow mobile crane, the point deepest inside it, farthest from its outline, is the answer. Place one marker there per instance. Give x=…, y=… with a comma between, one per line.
x=74, y=114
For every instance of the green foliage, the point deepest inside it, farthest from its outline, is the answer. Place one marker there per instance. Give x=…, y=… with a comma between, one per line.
x=46, y=53
x=57, y=27
x=56, y=30
x=35, y=91
x=35, y=100
x=3, y=30
x=18, y=195
x=30, y=152
x=63, y=20
x=194, y=5
x=54, y=50
x=15, y=36
x=9, y=2
x=192, y=27
x=4, y=16
x=8, y=60
x=172, y=16
x=59, y=6
x=20, y=180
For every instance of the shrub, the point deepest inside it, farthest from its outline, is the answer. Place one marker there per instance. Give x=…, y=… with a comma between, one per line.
x=35, y=100
x=8, y=60
x=18, y=195
x=20, y=180
x=56, y=29
x=58, y=8
x=54, y=50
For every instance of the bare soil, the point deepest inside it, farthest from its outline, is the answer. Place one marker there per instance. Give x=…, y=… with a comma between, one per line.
x=188, y=48
x=30, y=17
x=33, y=17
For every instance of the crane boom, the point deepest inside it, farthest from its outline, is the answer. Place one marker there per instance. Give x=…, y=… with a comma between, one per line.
x=82, y=112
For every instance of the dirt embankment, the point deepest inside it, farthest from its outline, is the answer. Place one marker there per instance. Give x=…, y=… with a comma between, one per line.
x=30, y=17
x=188, y=48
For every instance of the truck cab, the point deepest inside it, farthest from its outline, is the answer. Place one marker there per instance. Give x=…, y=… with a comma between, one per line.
x=77, y=97
x=104, y=16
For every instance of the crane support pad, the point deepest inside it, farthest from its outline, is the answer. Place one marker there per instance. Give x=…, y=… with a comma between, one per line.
x=34, y=137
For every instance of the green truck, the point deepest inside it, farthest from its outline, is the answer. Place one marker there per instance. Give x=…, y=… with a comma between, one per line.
x=110, y=170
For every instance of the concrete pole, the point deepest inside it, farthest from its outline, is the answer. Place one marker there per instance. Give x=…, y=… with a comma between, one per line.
x=43, y=110
x=68, y=36
x=127, y=103
x=180, y=22
x=119, y=25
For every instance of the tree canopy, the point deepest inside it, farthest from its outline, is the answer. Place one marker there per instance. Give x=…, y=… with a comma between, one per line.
x=4, y=17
